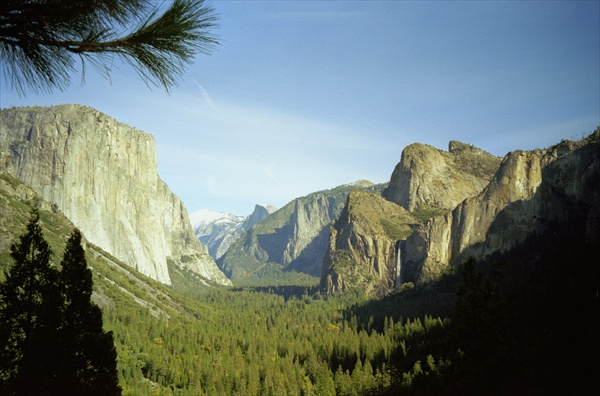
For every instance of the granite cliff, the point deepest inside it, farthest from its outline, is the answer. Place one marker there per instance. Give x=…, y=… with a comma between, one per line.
x=427, y=178
x=531, y=192
x=294, y=237
x=426, y=182
x=102, y=175
x=362, y=245
x=218, y=230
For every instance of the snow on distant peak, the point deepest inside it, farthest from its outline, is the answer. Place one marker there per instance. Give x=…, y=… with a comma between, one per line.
x=207, y=216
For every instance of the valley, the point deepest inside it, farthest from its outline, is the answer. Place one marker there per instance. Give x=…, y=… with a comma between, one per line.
x=465, y=274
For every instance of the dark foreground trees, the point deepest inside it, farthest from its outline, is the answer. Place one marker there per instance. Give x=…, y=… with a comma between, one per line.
x=41, y=39
x=51, y=336
x=90, y=352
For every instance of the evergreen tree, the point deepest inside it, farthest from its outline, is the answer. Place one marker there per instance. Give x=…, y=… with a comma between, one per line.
x=39, y=39
x=90, y=352
x=51, y=336
x=324, y=383
x=30, y=312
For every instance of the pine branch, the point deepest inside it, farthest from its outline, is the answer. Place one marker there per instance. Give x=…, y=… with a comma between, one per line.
x=38, y=52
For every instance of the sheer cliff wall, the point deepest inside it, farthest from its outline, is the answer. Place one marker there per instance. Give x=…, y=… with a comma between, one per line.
x=530, y=192
x=103, y=176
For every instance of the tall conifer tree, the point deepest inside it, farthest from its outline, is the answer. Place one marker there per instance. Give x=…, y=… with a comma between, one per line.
x=30, y=313
x=51, y=336
x=90, y=351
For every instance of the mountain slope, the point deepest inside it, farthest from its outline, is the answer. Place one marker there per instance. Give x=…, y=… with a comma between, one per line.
x=103, y=176
x=427, y=181
x=293, y=238
x=16, y=203
x=362, y=245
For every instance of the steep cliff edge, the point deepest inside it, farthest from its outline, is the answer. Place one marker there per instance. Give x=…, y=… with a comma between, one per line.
x=102, y=175
x=427, y=178
x=530, y=192
x=362, y=245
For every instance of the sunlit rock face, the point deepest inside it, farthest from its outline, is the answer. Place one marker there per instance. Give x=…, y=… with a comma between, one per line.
x=362, y=245
x=103, y=176
x=479, y=206
x=295, y=236
x=365, y=246
x=531, y=191
x=427, y=177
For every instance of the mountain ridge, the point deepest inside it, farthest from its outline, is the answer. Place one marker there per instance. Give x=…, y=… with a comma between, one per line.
x=218, y=230
x=426, y=182
x=530, y=190
x=294, y=238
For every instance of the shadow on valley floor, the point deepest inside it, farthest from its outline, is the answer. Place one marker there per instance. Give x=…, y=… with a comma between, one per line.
x=525, y=322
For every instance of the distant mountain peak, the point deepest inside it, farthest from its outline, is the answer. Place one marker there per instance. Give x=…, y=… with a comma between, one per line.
x=218, y=230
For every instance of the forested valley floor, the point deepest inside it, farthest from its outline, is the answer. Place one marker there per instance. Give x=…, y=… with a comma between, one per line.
x=526, y=323
x=519, y=328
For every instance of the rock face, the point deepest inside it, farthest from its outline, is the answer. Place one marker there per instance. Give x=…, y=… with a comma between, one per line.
x=429, y=178
x=531, y=191
x=427, y=181
x=218, y=230
x=362, y=245
x=103, y=176
x=295, y=237
x=259, y=213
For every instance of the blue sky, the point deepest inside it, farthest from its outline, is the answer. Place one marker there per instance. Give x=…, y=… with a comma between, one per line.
x=304, y=96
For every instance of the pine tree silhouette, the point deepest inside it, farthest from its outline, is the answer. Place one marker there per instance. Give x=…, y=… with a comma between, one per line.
x=51, y=336
x=30, y=314
x=90, y=351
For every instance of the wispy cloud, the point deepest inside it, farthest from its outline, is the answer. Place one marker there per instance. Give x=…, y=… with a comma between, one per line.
x=265, y=155
x=207, y=99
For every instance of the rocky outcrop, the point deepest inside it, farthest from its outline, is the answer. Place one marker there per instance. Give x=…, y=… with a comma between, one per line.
x=362, y=245
x=427, y=181
x=259, y=213
x=530, y=192
x=295, y=237
x=427, y=178
x=102, y=175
